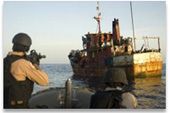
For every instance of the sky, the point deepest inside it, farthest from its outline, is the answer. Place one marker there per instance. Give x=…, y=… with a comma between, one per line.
x=56, y=27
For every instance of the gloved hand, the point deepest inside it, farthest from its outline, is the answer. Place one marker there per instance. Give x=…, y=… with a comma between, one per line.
x=35, y=60
x=37, y=66
x=34, y=57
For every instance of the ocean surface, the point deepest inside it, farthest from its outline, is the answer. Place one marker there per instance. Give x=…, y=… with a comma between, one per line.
x=150, y=92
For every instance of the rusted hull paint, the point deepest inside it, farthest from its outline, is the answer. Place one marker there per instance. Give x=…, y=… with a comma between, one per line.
x=147, y=64
x=148, y=69
x=138, y=65
x=88, y=72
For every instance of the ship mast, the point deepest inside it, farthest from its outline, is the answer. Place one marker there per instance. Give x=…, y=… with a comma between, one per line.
x=98, y=17
x=133, y=28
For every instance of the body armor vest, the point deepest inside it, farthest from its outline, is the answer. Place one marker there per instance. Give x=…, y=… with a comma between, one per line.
x=16, y=93
x=106, y=99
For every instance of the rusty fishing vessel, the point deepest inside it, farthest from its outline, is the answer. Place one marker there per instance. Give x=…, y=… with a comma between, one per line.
x=102, y=48
x=99, y=50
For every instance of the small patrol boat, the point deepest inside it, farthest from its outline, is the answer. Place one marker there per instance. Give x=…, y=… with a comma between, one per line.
x=62, y=97
x=102, y=48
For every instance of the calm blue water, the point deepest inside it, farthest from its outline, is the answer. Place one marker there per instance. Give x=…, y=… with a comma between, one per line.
x=57, y=73
x=150, y=92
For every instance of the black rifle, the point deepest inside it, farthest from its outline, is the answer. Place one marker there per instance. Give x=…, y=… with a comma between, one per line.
x=35, y=57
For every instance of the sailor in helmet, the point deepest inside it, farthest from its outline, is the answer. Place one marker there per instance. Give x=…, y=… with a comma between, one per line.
x=20, y=74
x=114, y=94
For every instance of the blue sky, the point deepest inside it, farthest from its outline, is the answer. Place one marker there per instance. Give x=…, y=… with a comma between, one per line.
x=57, y=27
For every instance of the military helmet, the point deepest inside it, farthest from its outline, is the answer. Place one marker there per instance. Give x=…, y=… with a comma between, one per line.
x=116, y=75
x=22, y=39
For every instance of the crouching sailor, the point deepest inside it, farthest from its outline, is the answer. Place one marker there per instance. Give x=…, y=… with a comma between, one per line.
x=114, y=94
x=20, y=74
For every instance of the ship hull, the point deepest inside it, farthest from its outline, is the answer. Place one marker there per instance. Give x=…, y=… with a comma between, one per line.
x=137, y=65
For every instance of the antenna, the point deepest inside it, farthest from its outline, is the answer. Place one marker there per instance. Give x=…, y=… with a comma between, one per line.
x=98, y=17
x=133, y=28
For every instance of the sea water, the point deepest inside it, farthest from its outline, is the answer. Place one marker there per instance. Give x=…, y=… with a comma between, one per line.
x=150, y=92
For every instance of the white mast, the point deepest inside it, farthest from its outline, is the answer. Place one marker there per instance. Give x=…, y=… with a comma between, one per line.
x=98, y=17
x=133, y=28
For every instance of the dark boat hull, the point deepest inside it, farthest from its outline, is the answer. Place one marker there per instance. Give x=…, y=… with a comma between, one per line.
x=53, y=98
x=137, y=65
